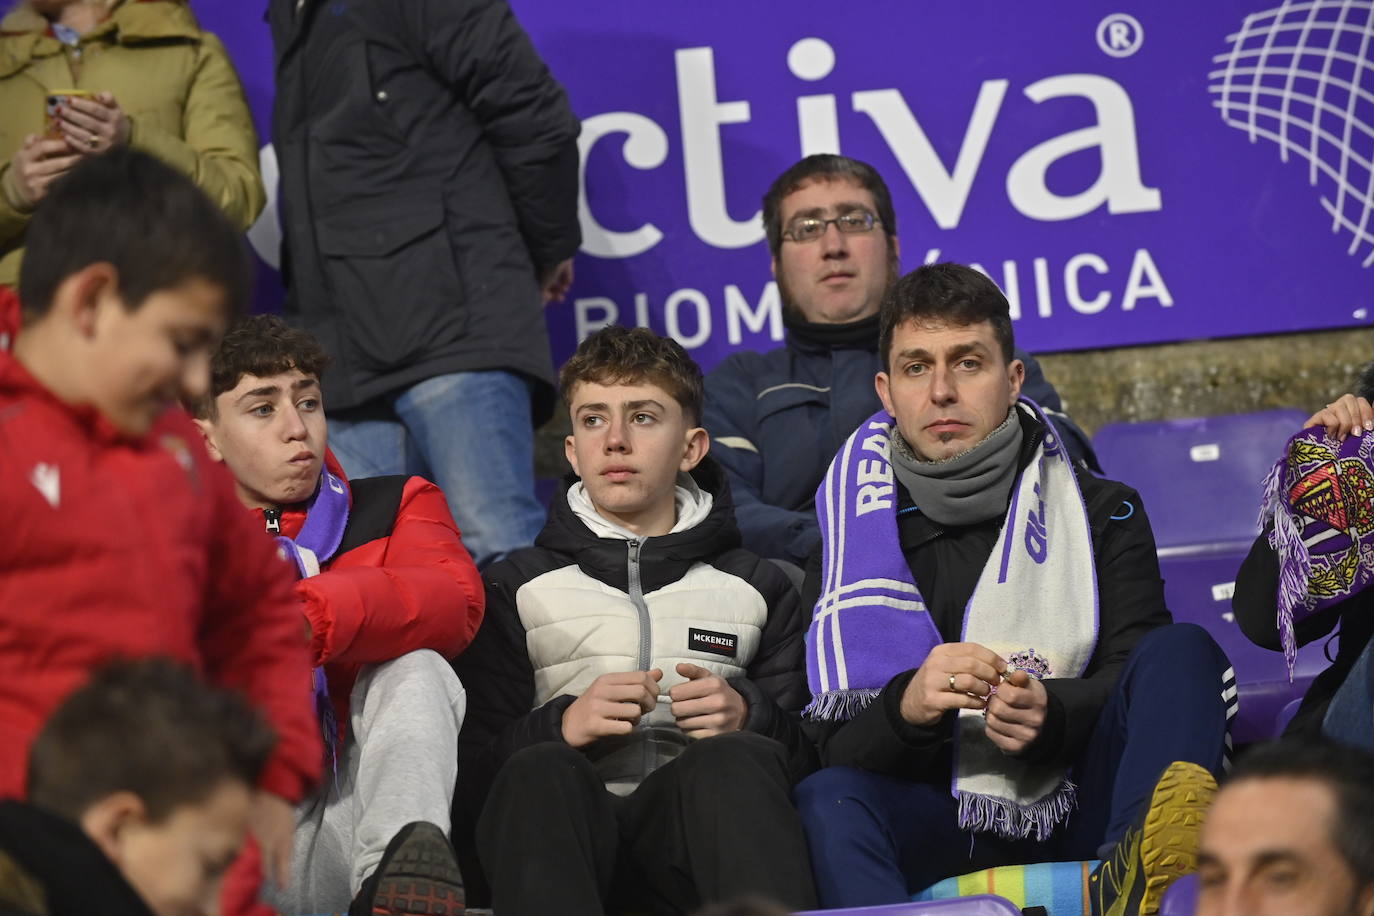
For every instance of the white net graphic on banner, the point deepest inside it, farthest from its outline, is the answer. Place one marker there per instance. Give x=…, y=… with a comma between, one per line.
x=1301, y=76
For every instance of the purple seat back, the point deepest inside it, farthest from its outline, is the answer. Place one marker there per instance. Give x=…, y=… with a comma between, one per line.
x=1286, y=715
x=1199, y=478
x=1181, y=897
x=1197, y=589
x=980, y=905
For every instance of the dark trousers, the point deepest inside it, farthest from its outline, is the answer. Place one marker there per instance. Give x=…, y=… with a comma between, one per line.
x=715, y=823
x=877, y=839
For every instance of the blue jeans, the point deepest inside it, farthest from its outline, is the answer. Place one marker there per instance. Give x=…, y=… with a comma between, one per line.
x=1350, y=717
x=470, y=433
x=878, y=839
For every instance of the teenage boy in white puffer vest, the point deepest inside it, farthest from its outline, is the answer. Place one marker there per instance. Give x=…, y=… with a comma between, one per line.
x=633, y=729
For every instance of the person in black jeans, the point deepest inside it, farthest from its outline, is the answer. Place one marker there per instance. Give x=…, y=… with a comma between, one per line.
x=633, y=732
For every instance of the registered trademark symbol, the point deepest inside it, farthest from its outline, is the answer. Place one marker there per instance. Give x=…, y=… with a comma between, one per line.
x=1120, y=35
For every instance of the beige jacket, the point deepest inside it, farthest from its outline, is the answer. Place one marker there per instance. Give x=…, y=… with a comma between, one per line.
x=174, y=82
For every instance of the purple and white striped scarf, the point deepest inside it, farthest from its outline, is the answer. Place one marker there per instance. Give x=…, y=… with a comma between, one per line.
x=1037, y=596
x=326, y=517
x=1320, y=497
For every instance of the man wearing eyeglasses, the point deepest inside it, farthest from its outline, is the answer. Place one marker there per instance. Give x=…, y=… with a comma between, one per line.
x=780, y=416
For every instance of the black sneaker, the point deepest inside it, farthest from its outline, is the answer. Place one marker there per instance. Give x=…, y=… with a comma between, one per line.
x=418, y=873
x=1160, y=847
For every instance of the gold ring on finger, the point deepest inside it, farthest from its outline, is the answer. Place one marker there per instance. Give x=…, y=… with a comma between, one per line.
x=91, y=141
x=951, y=684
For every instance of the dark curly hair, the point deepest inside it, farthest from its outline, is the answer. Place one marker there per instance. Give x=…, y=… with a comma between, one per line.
x=260, y=345
x=630, y=356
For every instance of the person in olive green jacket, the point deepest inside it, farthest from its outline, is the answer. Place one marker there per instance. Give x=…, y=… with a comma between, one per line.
x=160, y=84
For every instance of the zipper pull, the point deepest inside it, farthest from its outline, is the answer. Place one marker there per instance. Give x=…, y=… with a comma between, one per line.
x=272, y=519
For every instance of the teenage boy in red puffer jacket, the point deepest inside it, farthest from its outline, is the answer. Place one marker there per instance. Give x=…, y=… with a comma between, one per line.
x=388, y=593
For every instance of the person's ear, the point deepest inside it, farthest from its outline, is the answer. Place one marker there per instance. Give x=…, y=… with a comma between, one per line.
x=882, y=384
x=696, y=444
x=570, y=452
x=109, y=821
x=1016, y=375
x=207, y=429
x=81, y=296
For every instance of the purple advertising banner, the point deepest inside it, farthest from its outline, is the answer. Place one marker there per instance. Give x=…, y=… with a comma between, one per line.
x=1129, y=173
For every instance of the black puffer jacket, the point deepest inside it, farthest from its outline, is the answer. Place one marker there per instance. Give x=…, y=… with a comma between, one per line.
x=570, y=574
x=698, y=579
x=428, y=173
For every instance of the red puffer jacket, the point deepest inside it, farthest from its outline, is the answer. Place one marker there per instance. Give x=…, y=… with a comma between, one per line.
x=401, y=581
x=113, y=546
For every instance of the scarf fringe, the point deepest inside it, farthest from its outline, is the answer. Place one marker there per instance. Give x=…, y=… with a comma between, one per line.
x=1295, y=563
x=839, y=705
x=985, y=814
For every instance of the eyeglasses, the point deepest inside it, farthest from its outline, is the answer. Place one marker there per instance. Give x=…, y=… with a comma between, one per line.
x=810, y=228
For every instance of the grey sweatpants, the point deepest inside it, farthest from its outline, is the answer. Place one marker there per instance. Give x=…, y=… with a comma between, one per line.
x=398, y=765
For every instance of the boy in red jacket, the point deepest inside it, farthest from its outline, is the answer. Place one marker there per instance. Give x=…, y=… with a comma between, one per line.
x=388, y=593
x=122, y=537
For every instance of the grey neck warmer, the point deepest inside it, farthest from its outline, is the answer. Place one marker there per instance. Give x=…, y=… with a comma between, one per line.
x=969, y=488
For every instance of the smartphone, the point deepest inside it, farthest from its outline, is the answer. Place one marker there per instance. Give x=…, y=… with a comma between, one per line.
x=52, y=109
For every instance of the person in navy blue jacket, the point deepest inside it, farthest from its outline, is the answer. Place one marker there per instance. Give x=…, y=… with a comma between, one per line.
x=780, y=416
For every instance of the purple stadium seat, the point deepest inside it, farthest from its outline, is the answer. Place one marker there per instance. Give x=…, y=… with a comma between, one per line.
x=1198, y=590
x=1286, y=715
x=981, y=905
x=1181, y=897
x=1200, y=481
x=1199, y=478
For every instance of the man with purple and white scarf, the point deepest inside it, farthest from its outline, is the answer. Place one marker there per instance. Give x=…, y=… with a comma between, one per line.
x=994, y=676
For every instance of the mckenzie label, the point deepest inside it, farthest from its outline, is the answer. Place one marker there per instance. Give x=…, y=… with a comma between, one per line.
x=710, y=641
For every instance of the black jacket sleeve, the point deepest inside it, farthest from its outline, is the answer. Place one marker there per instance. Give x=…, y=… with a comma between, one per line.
x=1256, y=603
x=881, y=741
x=775, y=683
x=499, y=679
x=1130, y=600
x=480, y=50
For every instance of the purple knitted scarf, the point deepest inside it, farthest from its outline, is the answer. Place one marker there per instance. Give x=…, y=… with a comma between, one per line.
x=326, y=517
x=1320, y=497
